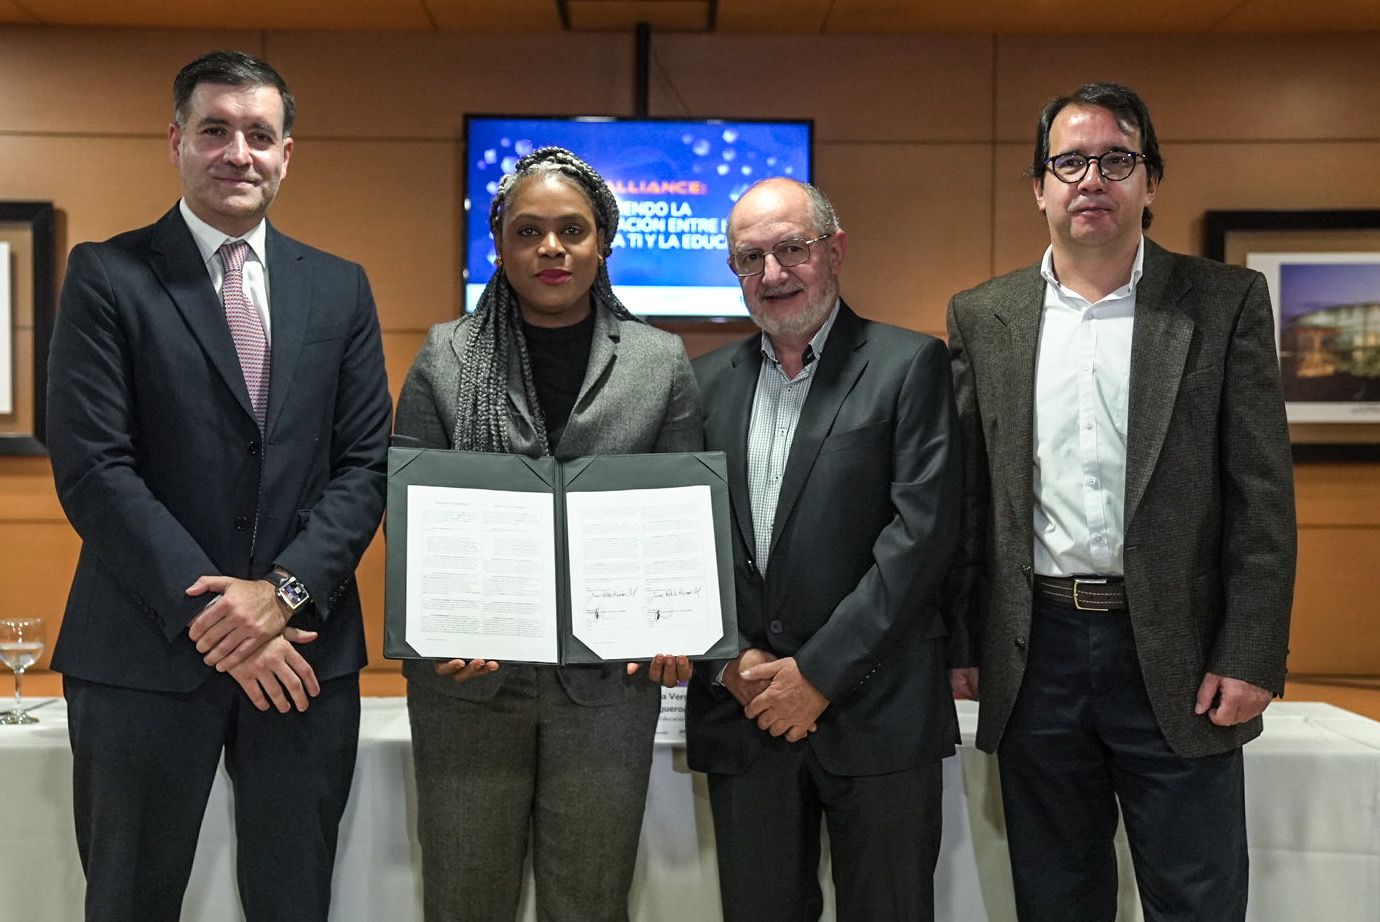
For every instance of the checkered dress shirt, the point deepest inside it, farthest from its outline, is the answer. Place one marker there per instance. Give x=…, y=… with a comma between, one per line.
x=776, y=407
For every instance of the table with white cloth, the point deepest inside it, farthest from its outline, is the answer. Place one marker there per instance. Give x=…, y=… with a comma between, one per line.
x=1312, y=792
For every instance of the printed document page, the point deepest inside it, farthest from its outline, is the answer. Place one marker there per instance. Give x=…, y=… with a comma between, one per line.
x=644, y=577
x=481, y=574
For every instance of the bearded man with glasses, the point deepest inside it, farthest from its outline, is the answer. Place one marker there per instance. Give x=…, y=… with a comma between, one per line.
x=1126, y=579
x=844, y=479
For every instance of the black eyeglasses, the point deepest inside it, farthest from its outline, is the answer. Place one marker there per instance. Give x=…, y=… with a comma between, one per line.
x=746, y=263
x=1114, y=165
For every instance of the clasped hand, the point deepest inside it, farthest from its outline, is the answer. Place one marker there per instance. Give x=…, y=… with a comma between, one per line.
x=775, y=693
x=244, y=633
x=277, y=674
x=246, y=616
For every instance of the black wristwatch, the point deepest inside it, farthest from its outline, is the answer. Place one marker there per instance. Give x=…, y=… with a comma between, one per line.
x=290, y=590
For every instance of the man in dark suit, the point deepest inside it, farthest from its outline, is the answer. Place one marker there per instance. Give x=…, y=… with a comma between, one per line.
x=218, y=422
x=1129, y=547
x=845, y=484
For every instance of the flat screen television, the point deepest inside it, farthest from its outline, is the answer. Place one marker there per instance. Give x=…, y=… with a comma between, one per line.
x=676, y=181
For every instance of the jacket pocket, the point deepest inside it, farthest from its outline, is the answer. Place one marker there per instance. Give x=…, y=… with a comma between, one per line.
x=870, y=435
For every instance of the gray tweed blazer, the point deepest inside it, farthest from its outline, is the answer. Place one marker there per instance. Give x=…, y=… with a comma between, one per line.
x=639, y=395
x=1210, y=540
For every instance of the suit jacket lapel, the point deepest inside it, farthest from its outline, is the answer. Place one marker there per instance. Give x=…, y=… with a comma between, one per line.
x=1020, y=311
x=580, y=439
x=289, y=293
x=522, y=425
x=1159, y=349
x=178, y=264
x=839, y=367
x=730, y=428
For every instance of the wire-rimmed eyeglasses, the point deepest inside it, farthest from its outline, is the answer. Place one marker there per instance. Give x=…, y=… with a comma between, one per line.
x=1114, y=165
x=746, y=263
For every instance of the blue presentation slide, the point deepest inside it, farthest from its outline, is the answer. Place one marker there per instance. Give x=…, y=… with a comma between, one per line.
x=676, y=182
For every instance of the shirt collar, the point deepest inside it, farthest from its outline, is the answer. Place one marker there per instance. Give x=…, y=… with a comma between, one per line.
x=1137, y=270
x=208, y=239
x=815, y=348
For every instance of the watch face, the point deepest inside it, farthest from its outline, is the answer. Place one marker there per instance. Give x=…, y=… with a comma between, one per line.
x=293, y=593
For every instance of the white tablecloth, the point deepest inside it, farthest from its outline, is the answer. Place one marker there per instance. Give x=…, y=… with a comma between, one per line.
x=1313, y=801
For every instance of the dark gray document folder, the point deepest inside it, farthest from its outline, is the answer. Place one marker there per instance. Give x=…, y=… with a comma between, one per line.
x=517, y=559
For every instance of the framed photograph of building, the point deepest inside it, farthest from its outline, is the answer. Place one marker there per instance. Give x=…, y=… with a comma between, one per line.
x=27, y=289
x=1323, y=271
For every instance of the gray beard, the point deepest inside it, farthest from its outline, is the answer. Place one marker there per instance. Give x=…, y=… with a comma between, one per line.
x=789, y=327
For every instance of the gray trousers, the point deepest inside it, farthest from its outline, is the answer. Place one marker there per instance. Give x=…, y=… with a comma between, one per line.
x=530, y=759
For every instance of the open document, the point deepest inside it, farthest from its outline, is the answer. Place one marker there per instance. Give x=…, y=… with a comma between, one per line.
x=616, y=557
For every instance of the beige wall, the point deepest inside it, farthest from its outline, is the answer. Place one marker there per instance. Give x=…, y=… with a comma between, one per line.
x=920, y=140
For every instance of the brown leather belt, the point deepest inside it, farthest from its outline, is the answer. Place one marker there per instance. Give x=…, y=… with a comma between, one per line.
x=1085, y=593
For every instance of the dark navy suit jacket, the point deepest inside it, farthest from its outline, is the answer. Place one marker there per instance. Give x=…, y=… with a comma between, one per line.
x=164, y=473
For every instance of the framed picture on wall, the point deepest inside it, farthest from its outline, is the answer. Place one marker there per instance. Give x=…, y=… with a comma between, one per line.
x=1323, y=271
x=26, y=323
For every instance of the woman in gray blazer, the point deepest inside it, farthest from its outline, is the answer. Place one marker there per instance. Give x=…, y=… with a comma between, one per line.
x=550, y=363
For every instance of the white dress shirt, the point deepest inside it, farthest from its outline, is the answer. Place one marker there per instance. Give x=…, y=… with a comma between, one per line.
x=1082, y=382
x=255, y=273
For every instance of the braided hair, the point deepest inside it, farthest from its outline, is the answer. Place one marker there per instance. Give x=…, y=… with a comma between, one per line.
x=494, y=330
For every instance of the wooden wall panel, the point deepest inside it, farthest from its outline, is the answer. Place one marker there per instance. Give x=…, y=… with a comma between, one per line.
x=1203, y=87
x=265, y=14
x=13, y=14
x=1019, y=232
x=1340, y=495
x=100, y=186
x=399, y=349
x=874, y=88
x=40, y=558
x=26, y=486
x=483, y=15
x=98, y=81
x=886, y=16
x=915, y=235
x=420, y=85
x=1336, y=627
x=1220, y=175
x=393, y=207
x=1269, y=15
x=625, y=15
x=371, y=586
x=807, y=17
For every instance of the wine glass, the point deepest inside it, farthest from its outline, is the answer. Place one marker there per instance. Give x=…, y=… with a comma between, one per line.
x=21, y=645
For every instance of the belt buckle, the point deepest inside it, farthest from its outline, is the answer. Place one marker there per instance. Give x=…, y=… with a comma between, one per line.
x=1077, y=603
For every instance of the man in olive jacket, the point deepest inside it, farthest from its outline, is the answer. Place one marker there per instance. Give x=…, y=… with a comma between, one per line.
x=1127, y=575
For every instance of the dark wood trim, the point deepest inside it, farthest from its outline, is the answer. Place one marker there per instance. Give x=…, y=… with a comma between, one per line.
x=39, y=217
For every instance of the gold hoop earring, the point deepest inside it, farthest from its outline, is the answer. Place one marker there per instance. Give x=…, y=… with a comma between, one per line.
x=498, y=263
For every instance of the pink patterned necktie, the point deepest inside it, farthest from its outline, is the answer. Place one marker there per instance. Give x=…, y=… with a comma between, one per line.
x=246, y=327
